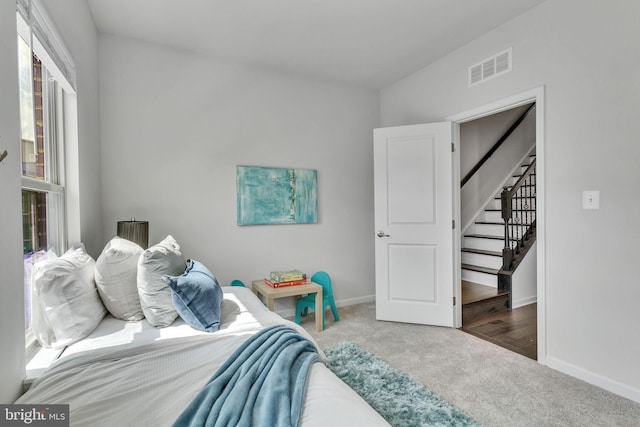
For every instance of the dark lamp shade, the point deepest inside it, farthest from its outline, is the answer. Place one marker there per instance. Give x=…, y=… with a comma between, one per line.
x=136, y=231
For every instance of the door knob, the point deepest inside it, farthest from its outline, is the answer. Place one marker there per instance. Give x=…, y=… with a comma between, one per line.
x=381, y=234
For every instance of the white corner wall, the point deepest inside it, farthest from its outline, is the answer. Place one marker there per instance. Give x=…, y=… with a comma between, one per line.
x=174, y=126
x=585, y=54
x=11, y=285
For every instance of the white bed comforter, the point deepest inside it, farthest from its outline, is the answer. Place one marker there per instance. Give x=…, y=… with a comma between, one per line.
x=132, y=374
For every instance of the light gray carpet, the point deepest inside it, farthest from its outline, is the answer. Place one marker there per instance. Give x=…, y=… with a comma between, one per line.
x=493, y=385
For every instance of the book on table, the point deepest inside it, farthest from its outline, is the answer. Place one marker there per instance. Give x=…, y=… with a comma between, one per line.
x=279, y=279
x=286, y=283
x=286, y=276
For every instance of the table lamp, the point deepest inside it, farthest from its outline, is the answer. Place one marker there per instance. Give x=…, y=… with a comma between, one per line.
x=135, y=231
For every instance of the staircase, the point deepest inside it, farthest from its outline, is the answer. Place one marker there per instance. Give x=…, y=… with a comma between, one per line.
x=484, y=241
x=493, y=247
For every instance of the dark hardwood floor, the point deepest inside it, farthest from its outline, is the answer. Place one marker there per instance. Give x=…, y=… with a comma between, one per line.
x=515, y=330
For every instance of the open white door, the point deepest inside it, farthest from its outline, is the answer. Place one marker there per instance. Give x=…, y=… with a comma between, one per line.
x=413, y=220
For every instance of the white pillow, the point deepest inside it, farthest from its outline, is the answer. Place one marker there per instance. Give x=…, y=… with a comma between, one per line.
x=155, y=294
x=66, y=305
x=116, y=278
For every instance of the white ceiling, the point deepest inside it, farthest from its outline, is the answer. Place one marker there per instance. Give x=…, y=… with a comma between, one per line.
x=372, y=43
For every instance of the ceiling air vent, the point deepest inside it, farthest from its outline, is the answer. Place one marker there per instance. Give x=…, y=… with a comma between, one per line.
x=490, y=68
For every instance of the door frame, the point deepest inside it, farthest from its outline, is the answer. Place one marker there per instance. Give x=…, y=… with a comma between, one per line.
x=533, y=95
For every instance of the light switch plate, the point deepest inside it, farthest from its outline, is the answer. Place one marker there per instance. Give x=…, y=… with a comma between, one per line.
x=591, y=199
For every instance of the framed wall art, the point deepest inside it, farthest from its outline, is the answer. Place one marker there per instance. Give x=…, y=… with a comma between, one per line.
x=267, y=195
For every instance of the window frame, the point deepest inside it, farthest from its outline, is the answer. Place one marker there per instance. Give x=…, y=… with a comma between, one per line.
x=54, y=96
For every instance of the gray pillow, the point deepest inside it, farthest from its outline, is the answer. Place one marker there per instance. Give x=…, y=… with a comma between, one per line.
x=165, y=258
x=116, y=278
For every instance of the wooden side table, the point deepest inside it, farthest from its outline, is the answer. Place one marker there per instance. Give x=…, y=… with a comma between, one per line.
x=260, y=288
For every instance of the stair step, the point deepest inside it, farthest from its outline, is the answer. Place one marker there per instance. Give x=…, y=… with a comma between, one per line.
x=482, y=252
x=475, y=292
x=488, y=256
x=484, y=241
x=523, y=185
x=515, y=197
x=480, y=302
x=501, y=224
x=494, y=216
x=480, y=269
x=487, y=236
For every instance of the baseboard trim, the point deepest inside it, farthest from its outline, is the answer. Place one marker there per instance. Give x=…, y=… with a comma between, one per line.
x=616, y=387
x=524, y=301
x=354, y=301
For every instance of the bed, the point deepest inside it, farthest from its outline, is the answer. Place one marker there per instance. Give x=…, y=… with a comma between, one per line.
x=131, y=373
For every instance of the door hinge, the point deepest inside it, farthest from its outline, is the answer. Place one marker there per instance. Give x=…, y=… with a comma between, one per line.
x=453, y=147
x=453, y=224
x=454, y=300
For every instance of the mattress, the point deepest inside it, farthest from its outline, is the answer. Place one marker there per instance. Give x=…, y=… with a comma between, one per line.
x=131, y=373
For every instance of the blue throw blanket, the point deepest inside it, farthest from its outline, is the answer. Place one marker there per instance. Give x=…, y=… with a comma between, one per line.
x=262, y=384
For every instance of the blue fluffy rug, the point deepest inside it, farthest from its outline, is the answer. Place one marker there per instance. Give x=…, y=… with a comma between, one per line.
x=401, y=400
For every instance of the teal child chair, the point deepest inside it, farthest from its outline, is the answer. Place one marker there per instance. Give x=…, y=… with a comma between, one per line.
x=309, y=301
x=237, y=282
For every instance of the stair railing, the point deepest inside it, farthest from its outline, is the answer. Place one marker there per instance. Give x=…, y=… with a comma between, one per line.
x=519, y=215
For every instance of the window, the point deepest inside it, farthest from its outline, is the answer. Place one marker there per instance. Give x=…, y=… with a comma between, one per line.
x=42, y=101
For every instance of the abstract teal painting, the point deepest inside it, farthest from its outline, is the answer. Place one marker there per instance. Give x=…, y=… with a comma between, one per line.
x=276, y=195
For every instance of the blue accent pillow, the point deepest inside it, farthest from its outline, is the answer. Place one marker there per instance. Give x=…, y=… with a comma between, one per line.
x=197, y=296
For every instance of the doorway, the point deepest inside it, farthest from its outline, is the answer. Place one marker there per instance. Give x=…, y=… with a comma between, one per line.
x=527, y=319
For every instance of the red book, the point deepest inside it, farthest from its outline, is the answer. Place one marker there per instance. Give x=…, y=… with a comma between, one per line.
x=283, y=284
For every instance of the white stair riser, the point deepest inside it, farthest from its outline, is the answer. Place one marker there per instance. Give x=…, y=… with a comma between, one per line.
x=490, y=229
x=495, y=203
x=481, y=260
x=498, y=230
x=479, y=243
x=481, y=278
x=491, y=216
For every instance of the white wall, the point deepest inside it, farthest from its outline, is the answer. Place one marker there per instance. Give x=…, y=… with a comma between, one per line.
x=11, y=294
x=479, y=135
x=76, y=27
x=524, y=289
x=174, y=125
x=586, y=54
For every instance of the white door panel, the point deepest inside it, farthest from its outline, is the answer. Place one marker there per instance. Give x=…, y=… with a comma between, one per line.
x=413, y=214
x=406, y=158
